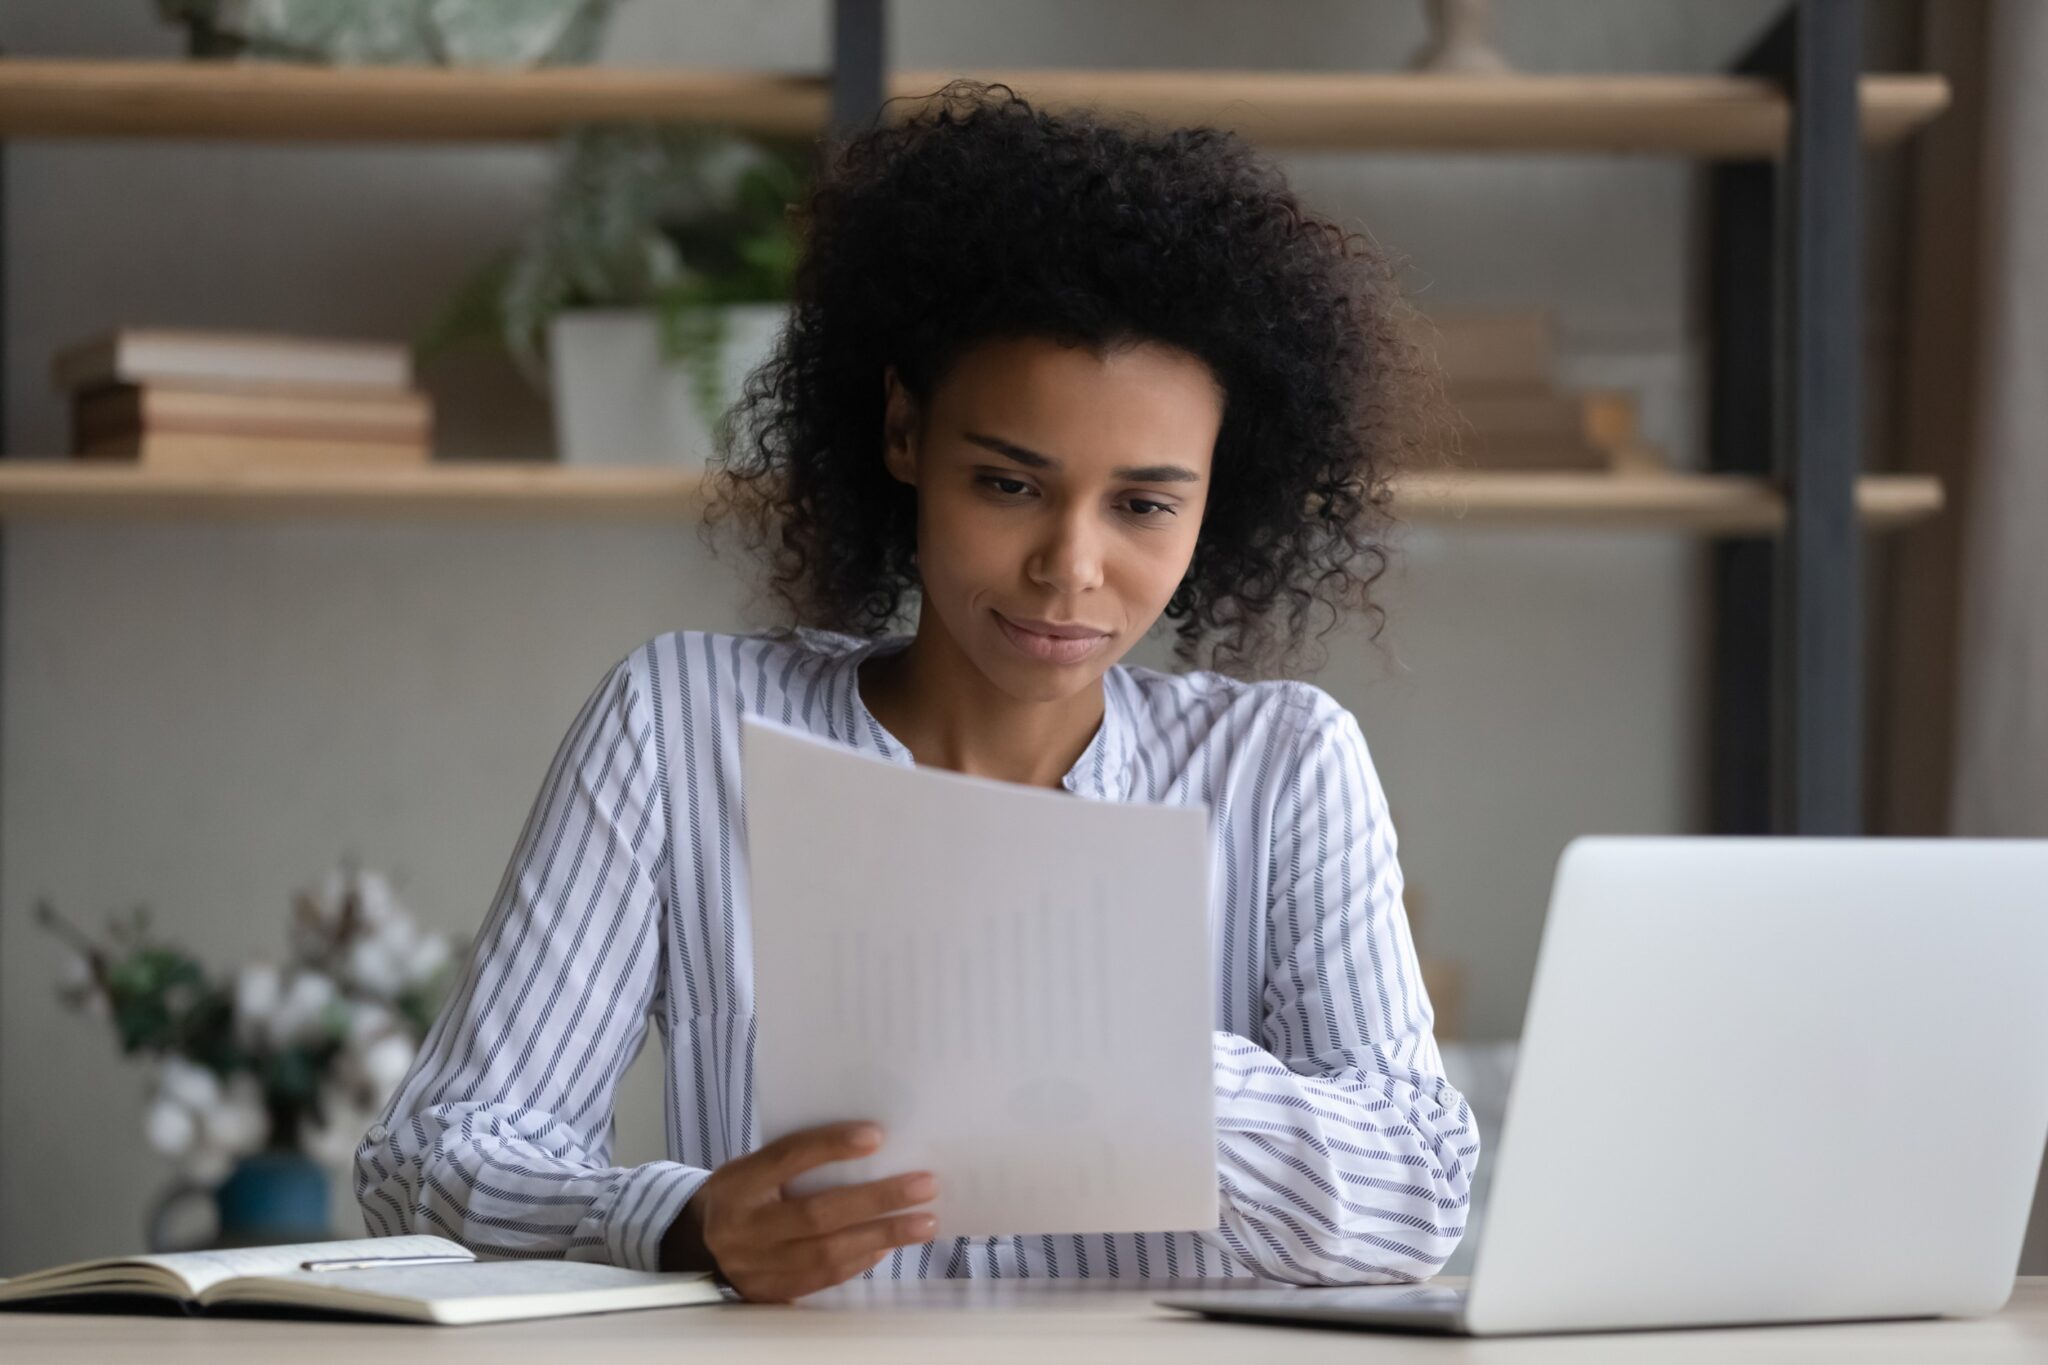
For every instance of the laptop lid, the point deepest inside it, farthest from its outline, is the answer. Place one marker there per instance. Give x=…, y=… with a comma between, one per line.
x=1773, y=1080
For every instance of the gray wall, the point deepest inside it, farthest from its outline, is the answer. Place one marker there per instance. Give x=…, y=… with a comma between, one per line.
x=205, y=717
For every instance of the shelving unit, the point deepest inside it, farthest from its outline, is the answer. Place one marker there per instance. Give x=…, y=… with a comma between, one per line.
x=39, y=490
x=1696, y=116
x=1785, y=132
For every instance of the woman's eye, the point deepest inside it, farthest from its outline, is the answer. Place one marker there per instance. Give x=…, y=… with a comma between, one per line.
x=1145, y=509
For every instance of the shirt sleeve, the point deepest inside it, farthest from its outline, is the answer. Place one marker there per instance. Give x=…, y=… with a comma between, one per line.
x=500, y=1136
x=1343, y=1154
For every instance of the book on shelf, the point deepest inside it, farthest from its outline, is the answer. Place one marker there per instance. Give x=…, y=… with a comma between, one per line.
x=228, y=410
x=1475, y=347
x=1538, y=412
x=1528, y=426
x=444, y=1285
x=1497, y=369
x=146, y=355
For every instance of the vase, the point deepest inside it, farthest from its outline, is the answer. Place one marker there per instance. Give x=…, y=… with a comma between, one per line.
x=269, y=1198
x=487, y=33
x=619, y=401
x=1460, y=40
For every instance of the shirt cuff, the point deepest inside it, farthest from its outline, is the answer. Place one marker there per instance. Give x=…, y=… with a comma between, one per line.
x=632, y=1215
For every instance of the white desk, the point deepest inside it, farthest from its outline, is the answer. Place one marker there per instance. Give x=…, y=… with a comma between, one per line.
x=1064, y=1322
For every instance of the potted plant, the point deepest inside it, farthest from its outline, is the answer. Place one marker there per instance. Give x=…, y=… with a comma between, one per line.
x=655, y=279
x=511, y=33
x=263, y=1080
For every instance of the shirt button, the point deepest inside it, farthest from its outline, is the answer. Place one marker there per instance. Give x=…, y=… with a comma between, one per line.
x=378, y=1132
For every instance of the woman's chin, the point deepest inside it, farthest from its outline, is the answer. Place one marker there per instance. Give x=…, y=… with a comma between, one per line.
x=1036, y=681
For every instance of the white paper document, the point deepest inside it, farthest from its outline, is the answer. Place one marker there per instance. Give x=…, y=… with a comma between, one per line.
x=1014, y=982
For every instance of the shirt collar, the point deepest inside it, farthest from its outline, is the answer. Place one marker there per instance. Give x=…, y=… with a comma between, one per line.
x=1103, y=772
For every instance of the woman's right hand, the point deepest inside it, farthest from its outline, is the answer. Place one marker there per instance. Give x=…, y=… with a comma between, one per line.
x=773, y=1248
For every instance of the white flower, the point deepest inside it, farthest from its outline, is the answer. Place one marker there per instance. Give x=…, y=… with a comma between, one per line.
x=386, y=1062
x=79, y=988
x=380, y=950
x=74, y=973
x=377, y=1052
x=302, y=1014
x=207, y=1125
x=374, y=966
x=375, y=901
x=189, y=1084
x=378, y=903
x=428, y=958
x=240, y=1123
x=258, y=989
x=368, y=1020
x=169, y=1126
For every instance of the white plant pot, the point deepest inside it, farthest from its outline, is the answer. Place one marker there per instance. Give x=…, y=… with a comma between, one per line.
x=618, y=400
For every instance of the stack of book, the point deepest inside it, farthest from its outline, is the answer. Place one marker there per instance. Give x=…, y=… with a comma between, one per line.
x=221, y=401
x=1498, y=370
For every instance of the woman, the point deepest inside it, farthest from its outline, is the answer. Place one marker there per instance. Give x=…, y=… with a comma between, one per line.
x=1060, y=379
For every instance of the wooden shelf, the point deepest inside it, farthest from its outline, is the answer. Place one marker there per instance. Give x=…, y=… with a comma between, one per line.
x=1686, y=115
x=1706, y=116
x=1711, y=504
x=55, y=489
x=32, y=489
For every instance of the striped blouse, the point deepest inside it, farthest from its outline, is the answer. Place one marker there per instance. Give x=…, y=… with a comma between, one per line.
x=1343, y=1156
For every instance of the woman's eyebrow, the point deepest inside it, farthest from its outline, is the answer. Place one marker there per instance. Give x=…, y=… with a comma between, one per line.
x=1031, y=459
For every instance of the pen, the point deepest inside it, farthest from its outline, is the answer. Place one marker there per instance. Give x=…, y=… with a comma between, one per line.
x=357, y=1262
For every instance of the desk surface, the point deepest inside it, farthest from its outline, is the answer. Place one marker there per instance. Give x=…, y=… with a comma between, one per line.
x=981, y=1320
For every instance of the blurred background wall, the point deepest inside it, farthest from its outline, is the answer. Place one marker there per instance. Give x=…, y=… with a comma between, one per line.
x=205, y=718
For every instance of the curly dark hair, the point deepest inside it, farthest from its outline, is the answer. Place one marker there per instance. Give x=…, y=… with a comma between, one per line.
x=979, y=216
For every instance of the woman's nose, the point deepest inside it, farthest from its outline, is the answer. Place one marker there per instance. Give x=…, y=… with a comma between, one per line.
x=1071, y=560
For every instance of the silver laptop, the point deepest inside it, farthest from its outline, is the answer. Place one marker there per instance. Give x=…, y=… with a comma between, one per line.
x=1760, y=1081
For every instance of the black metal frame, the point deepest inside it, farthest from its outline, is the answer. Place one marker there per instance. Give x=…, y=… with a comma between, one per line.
x=1786, y=259
x=860, y=62
x=6, y=441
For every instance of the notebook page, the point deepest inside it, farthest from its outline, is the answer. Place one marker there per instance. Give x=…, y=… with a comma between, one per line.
x=1014, y=982
x=203, y=1268
x=483, y=1291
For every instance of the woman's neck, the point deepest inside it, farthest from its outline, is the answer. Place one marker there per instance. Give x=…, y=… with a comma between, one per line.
x=943, y=709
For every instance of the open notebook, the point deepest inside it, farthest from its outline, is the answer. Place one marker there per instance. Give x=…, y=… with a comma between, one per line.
x=449, y=1293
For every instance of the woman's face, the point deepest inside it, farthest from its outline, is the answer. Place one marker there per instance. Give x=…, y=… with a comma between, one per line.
x=1055, y=487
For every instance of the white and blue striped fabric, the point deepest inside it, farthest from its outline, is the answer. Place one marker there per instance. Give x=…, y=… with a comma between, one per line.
x=1343, y=1156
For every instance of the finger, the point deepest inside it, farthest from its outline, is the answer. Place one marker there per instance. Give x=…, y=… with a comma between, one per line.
x=823, y=1271
x=791, y=1155
x=781, y=1282
x=829, y=1211
x=777, y=1286
x=814, y=1147
x=822, y=1255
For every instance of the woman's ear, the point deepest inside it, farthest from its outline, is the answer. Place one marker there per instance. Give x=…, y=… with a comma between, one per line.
x=899, y=428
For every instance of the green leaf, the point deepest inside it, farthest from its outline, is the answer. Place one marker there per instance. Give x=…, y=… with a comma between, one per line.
x=663, y=218
x=474, y=313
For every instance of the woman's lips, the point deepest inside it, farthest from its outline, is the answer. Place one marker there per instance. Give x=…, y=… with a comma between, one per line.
x=1048, y=648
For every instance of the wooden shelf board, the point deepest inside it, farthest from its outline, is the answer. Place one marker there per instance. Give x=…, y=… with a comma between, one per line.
x=1722, y=504
x=443, y=489
x=1335, y=111
x=1689, y=115
x=58, y=489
